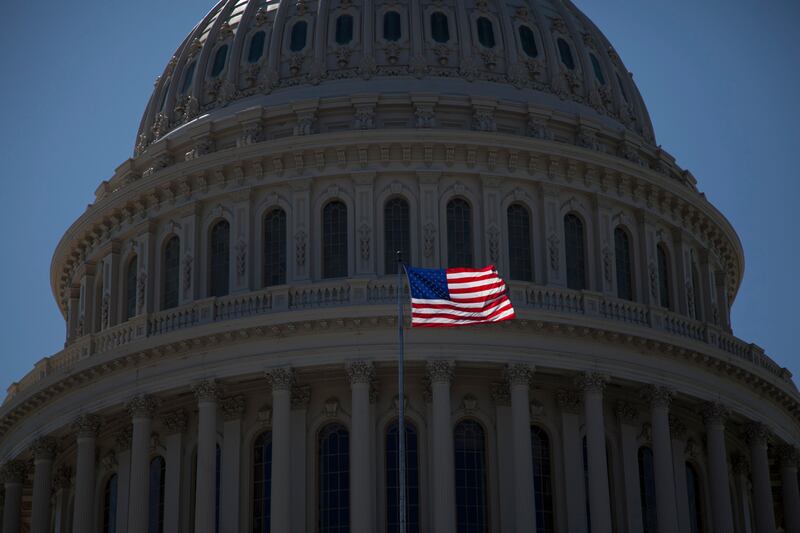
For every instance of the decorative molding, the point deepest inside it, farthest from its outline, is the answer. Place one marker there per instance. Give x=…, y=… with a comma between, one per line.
x=360, y=372
x=206, y=391
x=280, y=378
x=501, y=396
x=715, y=413
x=301, y=395
x=86, y=426
x=757, y=434
x=233, y=407
x=519, y=374
x=626, y=412
x=175, y=421
x=569, y=401
x=14, y=471
x=62, y=479
x=45, y=448
x=591, y=382
x=657, y=395
x=142, y=406
x=122, y=440
x=469, y=403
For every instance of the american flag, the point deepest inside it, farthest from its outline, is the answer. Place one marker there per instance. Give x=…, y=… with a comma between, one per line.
x=457, y=297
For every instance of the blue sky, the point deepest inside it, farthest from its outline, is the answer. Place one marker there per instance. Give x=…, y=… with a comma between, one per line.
x=720, y=79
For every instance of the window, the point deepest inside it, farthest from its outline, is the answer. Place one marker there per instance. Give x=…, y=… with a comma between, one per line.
x=470, y=468
x=158, y=476
x=188, y=77
x=98, y=300
x=344, y=29
x=697, y=308
x=622, y=88
x=130, y=288
x=647, y=490
x=219, y=61
x=542, y=480
x=392, y=28
x=663, y=276
x=219, y=255
x=275, y=248
x=396, y=233
x=695, y=500
x=440, y=27
x=393, y=480
x=110, y=506
x=528, y=41
x=256, y=47
x=297, y=40
x=485, y=32
x=520, y=257
x=171, y=273
x=164, y=94
x=262, y=482
x=334, y=479
x=598, y=72
x=622, y=256
x=334, y=240
x=565, y=52
x=459, y=233
x=575, y=252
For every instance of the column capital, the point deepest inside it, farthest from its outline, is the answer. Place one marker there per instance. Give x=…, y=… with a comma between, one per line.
x=301, y=395
x=280, y=378
x=207, y=390
x=591, y=382
x=62, y=479
x=175, y=421
x=788, y=455
x=500, y=394
x=657, y=395
x=14, y=471
x=715, y=413
x=359, y=372
x=626, y=412
x=569, y=400
x=44, y=448
x=756, y=433
x=86, y=425
x=677, y=427
x=233, y=407
x=519, y=374
x=142, y=406
x=441, y=371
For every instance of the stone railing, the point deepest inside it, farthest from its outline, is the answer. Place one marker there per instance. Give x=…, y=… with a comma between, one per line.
x=541, y=300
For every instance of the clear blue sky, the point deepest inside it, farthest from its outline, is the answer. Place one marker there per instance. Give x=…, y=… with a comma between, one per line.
x=720, y=78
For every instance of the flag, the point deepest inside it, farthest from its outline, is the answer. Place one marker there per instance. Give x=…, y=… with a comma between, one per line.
x=457, y=297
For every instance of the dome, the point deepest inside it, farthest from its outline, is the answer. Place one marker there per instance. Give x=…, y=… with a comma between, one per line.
x=258, y=52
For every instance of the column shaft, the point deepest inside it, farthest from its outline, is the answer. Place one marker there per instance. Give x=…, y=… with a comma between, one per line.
x=172, y=482
x=281, y=460
x=505, y=462
x=663, y=468
x=524, y=504
x=791, y=496
x=139, y=492
x=12, y=507
x=205, y=496
x=681, y=490
x=123, y=488
x=444, y=506
x=628, y=420
x=575, y=495
x=719, y=483
x=360, y=373
x=83, y=514
x=599, y=497
x=42, y=485
x=763, y=505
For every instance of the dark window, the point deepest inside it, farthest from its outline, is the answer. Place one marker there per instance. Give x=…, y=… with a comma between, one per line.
x=344, y=29
x=396, y=233
x=520, y=257
x=565, y=52
x=297, y=40
x=697, y=292
x=130, y=288
x=262, y=482
x=98, y=299
x=470, y=469
x=393, y=480
x=392, y=28
x=171, y=273
x=663, y=276
x=528, y=41
x=334, y=240
x=459, y=233
x=485, y=32
x=164, y=94
x=158, y=476
x=695, y=501
x=622, y=88
x=256, y=47
x=575, y=248
x=598, y=71
x=647, y=490
x=275, y=248
x=219, y=259
x=622, y=255
x=440, y=27
x=188, y=77
x=542, y=480
x=110, y=506
x=334, y=479
x=219, y=61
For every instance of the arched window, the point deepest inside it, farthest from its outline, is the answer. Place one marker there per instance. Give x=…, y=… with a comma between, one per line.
x=663, y=276
x=520, y=257
x=528, y=41
x=393, y=479
x=485, y=32
x=622, y=256
x=575, y=248
x=542, y=480
x=219, y=259
x=262, y=482
x=334, y=240
x=171, y=286
x=440, y=27
x=598, y=71
x=219, y=61
x=188, y=77
x=297, y=40
x=158, y=476
x=695, y=500
x=647, y=490
x=565, y=51
x=392, y=28
x=256, y=49
x=697, y=291
x=621, y=87
x=344, y=29
x=459, y=233
x=130, y=288
x=275, y=247
x=396, y=233
x=110, y=505
x=334, y=479
x=470, y=467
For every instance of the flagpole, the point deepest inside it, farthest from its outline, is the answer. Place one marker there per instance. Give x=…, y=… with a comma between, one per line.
x=401, y=399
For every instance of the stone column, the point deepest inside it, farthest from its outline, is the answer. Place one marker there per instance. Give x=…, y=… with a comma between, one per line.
x=123, y=446
x=571, y=404
x=505, y=462
x=13, y=475
x=593, y=385
x=677, y=430
x=44, y=451
x=740, y=474
x=757, y=435
x=360, y=376
x=715, y=415
x=628, y=421
x=175, y=423
x=663, y=469
x=281, y=380
x=444, y=504
x=789, y=487
x=300, y=396
x=519, y=379
x=141, y=409
x=204, y=516
x=83, y=514
x=232, y=410
x=62, y=481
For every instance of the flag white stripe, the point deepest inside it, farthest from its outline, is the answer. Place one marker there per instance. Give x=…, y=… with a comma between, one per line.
x=420, y=301
x=473, y=274
x=483, y=313
x=496, y=290
x=469, y=284
x=442, y=320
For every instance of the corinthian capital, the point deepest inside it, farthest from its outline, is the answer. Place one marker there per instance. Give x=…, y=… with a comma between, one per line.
x=280, y=378
x=519, y=374
x=591, y=382
x=441, y=371
x=657, y=395
x=233, y=407
x=142, y=406
x=176, y=421
x=756, y=433
x=715, y=413
x=206, y=390
x=788, y=455
x=14, y=472
x=86, y=425
x=45, y=448
x=359, y=372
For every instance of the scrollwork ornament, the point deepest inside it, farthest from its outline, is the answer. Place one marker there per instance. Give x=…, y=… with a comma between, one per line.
x=428, y=240
x=657, y=395
x=280, y=378
x=715, y=413
x=187, y=272
x=241, y=259
x=142, y=406
x=500, y=394
x=494, y=244
x=441, y=371
x=14, y=471
x=300, y=248
x=364, y=235
x=360, y=372
x=469, y=403
x=552, y=246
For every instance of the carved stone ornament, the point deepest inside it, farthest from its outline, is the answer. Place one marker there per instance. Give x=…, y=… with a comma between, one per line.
x=553, y=247
x=483, y=120
x=142, y=406
x=428, y=239
x=141, y=288
x=519, y=374
x=62, y=479
x=535, y=409
x=264, y=415
x=360, y=371
x=396, y=403
x=300, y=247
x=305, y=123
x=626, y=412
x=569, y=400
x=122, y=440
x=441, y=371
x=591, y=382
x=606, y=253
x=740, y=465
x=653, y=275
x=425, y=116
x=494, y=244
x=86, y=425
x=206, y=390
x=331, y=407
x=788, y=455
x=301, y=395
x=500, y=394
x=186, y=272
x=45, y=448
x=241, y=259
x=756, y=434
x=657, y=395
x=176, y=421
x=280, y=378
x=469, y=404
x=109, y=460
x=233, y=407
x=364, y=236
x=715, y=413
x=364, y=118
x=677, y=427
x=14, y=471
x=646, y=434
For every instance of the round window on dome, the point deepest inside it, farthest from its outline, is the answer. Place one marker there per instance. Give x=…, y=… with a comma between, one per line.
x=298, y=36
x=219, y=61
x=256, y=47
x=528, y=41
x=485, y=32
x=344, y=29
x=565, y=51
x=440, y=27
